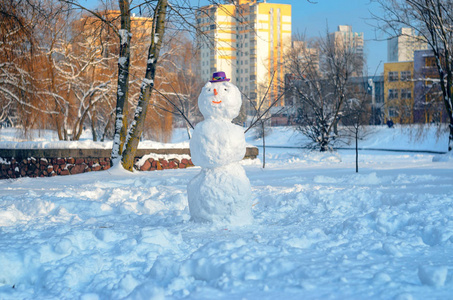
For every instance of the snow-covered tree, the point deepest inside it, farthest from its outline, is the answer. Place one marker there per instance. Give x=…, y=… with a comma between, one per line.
x=50, y=77
x=81, y=77
x=20, y=100
x=320, y=72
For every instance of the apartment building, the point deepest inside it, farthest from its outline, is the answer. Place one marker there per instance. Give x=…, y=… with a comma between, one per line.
x=402, y=47
x=428, y=102
x=247, y=41
x=345, y=38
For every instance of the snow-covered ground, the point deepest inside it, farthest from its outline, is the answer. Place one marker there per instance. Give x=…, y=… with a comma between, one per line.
x=320, y=230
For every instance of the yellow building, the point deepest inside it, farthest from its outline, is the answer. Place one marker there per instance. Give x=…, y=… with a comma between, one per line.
x=247, y=41
x=399, y=91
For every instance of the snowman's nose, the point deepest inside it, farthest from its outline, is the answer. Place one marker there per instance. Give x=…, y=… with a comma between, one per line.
x=215, y=92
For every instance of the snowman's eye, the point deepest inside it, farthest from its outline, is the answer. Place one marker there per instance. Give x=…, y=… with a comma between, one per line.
x=225, y=89
x=209, y=90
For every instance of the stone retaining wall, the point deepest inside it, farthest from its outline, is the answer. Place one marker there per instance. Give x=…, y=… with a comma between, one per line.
x=46, y=167
x=152, y=164
x=15, y=163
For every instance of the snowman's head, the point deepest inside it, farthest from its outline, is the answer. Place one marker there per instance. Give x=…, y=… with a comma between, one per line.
x=220, y=100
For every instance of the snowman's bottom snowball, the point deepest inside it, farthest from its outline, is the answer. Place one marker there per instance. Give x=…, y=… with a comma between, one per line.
x=221, y=195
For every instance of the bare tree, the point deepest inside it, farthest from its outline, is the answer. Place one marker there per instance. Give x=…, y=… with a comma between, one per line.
x=180, y=83
x=81, y=77
x=157, y=35
x=262, y=114
x=48, y=73
x=433, y=21
x=319, y=83
x=21, y=62
x=355, y=116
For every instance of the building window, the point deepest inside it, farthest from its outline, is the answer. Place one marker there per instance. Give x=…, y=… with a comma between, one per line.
x=405, y=75
x=393, y=112
x=393, y=94
x=393, y=76
x=430, y=61
x=406, y=94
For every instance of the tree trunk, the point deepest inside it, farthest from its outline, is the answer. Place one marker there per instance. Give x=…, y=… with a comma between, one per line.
x=357, y=150
x=147, y=86
x=264, y=145
x=59, y=131
x=93, y=125
x=445, y=72
x=121, y=123
x=65, y=121
x=109, y=121
x=78, y=128
x=189, y=134
x=450, y=137
x=324, y=144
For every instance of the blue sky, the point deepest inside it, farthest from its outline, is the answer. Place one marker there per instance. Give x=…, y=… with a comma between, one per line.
x=311, y=19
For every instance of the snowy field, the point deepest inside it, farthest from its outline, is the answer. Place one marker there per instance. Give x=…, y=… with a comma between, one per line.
x=320, y=230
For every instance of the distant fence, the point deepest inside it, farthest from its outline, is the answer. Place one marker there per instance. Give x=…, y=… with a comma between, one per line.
x=361, y=149
x=15, y=163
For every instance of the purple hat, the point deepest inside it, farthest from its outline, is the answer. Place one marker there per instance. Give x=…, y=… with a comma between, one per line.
x=219, y=76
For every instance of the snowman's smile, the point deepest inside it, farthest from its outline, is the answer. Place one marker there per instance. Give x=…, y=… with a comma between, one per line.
x=216, y=102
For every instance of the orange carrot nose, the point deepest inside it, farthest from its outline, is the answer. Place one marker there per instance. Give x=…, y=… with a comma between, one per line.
x=215, y=92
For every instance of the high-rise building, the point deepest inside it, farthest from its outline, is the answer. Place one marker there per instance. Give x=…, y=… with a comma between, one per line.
x=346, y=39
x=247, y=41
x=402, y=47
x=308, y=57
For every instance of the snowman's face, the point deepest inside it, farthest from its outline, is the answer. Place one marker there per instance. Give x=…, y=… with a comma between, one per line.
x=220, y=100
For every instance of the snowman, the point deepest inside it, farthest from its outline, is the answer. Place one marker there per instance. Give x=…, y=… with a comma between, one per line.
x=221, y=192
